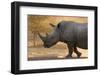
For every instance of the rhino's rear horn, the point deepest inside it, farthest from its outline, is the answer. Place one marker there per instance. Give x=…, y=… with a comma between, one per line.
x=52, y=25
x=42, y=37
x=46, y=34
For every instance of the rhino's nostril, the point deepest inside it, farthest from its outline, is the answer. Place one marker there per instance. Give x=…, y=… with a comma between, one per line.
x=45, y=46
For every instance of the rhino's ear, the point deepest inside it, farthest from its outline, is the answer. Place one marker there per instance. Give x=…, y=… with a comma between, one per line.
x=52, y=25
x=58, y=26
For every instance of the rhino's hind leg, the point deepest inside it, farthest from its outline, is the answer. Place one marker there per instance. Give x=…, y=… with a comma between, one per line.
x=77, y=52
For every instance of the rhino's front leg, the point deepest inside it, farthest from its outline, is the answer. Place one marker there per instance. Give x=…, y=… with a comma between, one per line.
x=70, y=47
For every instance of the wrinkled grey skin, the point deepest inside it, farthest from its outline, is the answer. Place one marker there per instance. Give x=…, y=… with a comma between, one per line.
x=71, y=33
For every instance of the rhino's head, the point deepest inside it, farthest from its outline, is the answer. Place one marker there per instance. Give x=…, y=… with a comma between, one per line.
x=51, y=39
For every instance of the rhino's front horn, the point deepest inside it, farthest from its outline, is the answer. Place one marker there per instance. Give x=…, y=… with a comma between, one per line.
x=42, y=38
x=52, y=25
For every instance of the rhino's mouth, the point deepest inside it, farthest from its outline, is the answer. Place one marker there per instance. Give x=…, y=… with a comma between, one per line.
x=46, y=46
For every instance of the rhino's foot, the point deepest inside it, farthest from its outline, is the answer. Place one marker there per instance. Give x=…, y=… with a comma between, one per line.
x=79, y=54
x=68, y=56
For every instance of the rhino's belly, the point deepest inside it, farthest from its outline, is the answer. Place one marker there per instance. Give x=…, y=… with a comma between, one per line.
x=82, y=44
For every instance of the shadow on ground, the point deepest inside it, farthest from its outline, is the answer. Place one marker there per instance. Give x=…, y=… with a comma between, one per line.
x=53, y=58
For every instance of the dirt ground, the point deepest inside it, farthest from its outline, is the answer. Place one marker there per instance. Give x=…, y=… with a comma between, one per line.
x=58, y=51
